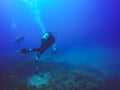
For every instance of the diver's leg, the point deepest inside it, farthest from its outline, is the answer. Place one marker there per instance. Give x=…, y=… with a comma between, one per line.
x=36, y=63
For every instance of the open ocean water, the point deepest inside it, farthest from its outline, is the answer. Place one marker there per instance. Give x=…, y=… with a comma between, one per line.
x=87, y=35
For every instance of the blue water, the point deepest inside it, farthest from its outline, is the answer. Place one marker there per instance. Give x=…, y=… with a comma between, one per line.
x=87, y=31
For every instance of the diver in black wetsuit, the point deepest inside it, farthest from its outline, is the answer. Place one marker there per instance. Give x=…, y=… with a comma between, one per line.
x=47, y=41
x=19, y=39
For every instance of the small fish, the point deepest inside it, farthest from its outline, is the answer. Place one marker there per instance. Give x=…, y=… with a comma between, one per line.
x=19, y=39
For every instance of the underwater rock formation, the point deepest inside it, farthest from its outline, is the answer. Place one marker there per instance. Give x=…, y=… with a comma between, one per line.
x=54, y=76
x=38, y=80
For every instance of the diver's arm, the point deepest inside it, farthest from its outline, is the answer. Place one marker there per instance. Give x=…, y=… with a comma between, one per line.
x=26, y=51
x=34, y=50
x=54, y=49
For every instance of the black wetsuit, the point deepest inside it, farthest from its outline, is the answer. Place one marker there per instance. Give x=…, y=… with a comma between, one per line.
x=45, y=43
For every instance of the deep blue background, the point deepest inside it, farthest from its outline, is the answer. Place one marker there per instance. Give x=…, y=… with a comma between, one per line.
x=88, y=30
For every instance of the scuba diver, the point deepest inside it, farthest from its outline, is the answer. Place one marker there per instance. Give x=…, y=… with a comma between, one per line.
x=47, y=41
x=19, y=39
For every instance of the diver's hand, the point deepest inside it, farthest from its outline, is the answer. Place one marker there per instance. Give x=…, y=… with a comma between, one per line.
x=54, y=51
x=24, y=51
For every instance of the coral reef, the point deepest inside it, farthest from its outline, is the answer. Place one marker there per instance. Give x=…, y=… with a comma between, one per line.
x=38, y=80
x=54, y=76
